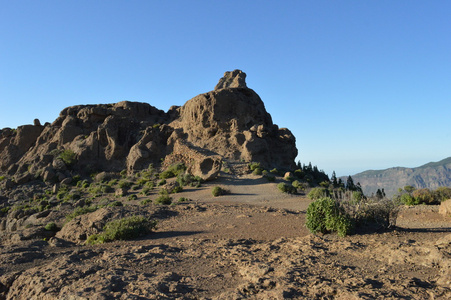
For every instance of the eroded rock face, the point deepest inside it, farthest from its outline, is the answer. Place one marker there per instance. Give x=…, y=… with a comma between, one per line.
x=230, y=122
x=234, y=79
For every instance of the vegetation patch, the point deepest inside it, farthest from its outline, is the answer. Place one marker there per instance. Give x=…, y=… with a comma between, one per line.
x=218, y=191
x=325, y=215
x=68, y=157
x=123, y=229
x=81, y=211
x=51, y=226
x=173, y=171
x=286, y=188
x=318, y=193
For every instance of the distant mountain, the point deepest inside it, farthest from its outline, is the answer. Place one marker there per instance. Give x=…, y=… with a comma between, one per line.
x=430, y=175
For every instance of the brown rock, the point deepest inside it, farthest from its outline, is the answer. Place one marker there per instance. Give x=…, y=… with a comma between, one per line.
x=234, y=79
x=445, y=208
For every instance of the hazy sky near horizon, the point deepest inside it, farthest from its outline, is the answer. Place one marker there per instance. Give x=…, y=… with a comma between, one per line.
x=361, y=84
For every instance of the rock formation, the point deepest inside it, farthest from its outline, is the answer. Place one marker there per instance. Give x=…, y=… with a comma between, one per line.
x=228, y=123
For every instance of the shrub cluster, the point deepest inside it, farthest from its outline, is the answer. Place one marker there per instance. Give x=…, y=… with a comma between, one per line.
x=286, y=188
x=123, y=229
x=409, y=195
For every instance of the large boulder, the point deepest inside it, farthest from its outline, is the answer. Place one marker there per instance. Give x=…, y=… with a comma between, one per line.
x=445, y=208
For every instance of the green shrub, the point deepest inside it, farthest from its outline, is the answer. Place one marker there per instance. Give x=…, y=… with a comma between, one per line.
x=51, y=226
x=4, y=210
x=163, y=199
x=106, y=189
x=75, y=179
x=218, y=191
x=146, y=201
x=146, y=191
x=177, y=189
x=123, y=173
x=162, y=182
x=286, y=188
x=80, y=211
x=112, y=182
x=68, y=157
x=2, y=178
x=132, y=197
x=115, y=203
x=270, y=177
x=173, y=171
x=325, y=215
x=183, y=199
x=442, y=193
x=318, y=193
x=124, y=184
x=142, y=181
x=357, y=196
x=254, y=165
x=123, y=229
x=257, y=171
x=408, y=199
x=274, y=171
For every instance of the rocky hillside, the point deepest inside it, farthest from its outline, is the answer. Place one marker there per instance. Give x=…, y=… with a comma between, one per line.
x=229, y=123
x=431, y=175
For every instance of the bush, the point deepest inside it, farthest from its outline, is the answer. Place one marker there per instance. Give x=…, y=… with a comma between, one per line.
x=146, y=201
x=254, y=165
x=408, y=199
x=80, y=211
x=173, y=171
x=270, y=178
x=51, y=226
x=115, y=203
x=376, y=214
x=162, y=182
x=442, y=193
x=68, y=157
x=124, y=184
x=218, y=191
x=146, y=191
x=132, y=197
x=177, y=189
x=425, y=196
x=163, y=199
x=318, y=193
x=257, y=171
x=325, y=215
x=123, y=229
x=286, y=188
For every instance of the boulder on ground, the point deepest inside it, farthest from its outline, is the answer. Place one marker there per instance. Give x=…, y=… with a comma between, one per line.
x=445, y=208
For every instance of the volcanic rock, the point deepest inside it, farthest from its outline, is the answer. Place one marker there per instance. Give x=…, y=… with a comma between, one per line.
x=228, y=123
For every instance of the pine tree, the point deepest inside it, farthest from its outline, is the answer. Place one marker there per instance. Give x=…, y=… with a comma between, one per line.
x=334, y=180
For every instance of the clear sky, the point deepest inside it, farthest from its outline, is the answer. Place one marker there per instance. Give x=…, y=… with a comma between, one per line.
x=361, y=84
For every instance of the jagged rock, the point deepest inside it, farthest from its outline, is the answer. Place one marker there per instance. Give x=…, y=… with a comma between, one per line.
x=228, y=123
x=234, y=79
x=36, y=122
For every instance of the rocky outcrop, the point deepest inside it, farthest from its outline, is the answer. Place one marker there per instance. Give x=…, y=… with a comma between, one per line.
x=230, y=123
x=234, y=79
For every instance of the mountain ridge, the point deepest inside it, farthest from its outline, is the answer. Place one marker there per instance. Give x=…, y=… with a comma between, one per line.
x=430, y=175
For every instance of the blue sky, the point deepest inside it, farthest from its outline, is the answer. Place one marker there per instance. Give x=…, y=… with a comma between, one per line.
x=361, y=84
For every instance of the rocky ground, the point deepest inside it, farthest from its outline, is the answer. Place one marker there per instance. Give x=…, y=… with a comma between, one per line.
x=248, y=244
